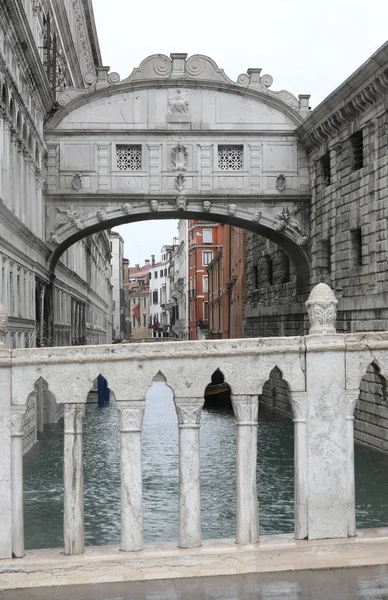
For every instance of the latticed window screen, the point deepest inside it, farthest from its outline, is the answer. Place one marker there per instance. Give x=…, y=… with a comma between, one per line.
x=128, y=157
x=230, y=158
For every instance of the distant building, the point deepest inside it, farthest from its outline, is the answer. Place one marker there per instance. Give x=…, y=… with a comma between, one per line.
x=227, y=285
x=117, y=280
x=136, y=286
x=159, y=324
x=179, y=292
x=205, y=241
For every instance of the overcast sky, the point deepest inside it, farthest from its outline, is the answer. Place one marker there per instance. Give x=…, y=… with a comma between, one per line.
x=309, y=47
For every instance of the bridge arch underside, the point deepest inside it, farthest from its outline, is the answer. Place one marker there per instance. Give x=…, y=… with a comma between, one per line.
x=286, y=238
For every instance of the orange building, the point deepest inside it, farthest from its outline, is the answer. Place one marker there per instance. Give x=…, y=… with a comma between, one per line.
x=227, y=286
x=205, y=240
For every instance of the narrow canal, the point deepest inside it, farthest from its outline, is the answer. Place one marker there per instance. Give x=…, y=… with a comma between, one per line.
x=43, y=477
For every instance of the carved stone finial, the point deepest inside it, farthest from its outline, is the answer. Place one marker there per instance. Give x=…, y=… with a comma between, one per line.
x=3, y=323
x=322, y=310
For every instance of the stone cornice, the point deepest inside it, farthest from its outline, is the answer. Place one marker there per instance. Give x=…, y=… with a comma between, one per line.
x=360, y=92
x=27, y=42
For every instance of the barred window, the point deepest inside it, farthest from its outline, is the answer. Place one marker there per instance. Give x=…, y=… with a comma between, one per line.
x=128, y=157
x=230, y=158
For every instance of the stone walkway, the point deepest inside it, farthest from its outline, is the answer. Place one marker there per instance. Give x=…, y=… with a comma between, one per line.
x=365, y=583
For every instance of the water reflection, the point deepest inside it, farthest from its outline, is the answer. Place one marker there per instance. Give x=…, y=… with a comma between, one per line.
x=43, y=476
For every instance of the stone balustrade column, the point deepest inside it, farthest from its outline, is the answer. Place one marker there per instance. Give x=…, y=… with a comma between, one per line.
x=247, y=513
x=73, y=479
x=131, y=416
x=189, y=417
x=17, y=422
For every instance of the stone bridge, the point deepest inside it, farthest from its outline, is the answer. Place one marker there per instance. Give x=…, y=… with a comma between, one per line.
x=178, y=139
x=323, y=371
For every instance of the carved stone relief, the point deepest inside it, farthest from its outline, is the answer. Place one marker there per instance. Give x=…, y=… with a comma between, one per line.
x=281, y=182
x=179, y=156
x=181, y=202
x=180, y=182
x=77, y=182
x=206, y=206
x=154, y=205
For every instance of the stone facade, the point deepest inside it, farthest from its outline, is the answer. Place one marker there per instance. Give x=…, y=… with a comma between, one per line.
x=44, y=49
x=345, y=138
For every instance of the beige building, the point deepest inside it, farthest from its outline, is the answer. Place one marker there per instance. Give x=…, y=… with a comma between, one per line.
x=136, y=288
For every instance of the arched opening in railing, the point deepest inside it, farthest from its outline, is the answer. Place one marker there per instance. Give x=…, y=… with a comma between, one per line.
x=43, y=469
x=275, y=449
x=370, y=449
x=218, y=460
x=101, y=453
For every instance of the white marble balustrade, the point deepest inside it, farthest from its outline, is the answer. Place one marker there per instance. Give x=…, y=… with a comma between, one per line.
x=323, y=372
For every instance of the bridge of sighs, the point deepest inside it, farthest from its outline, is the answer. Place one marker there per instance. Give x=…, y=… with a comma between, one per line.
x=178, y=138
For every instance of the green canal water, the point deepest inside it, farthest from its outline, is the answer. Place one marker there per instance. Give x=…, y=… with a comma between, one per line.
x=43, y=477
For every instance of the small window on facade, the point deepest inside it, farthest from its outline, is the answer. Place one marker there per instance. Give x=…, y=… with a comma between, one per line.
x=230, y=158
x=205, y=283
x=165, y=272
x=133, y=321
x=128, y=157
x=269, y=264
x=207, y=236
x=155, y=296
x=356, y=244
x=256, y=277
x=357, y=144
x=144, y=320
x=207, y=257
x=155, y=274
x=286, y=268
x=206, y=311
x=161, y=272
x=326, y=255
x=145, y=302
x=325, y=168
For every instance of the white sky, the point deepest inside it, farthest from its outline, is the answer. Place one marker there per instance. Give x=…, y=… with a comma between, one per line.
x=308, y=46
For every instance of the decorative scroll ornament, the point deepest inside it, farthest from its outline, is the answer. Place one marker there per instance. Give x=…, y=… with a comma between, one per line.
x=257, y=216
x=322, y=310
x=180, y=182
x=232, y=208
x=280, y=182
x=101, y=215
x=77, y=182
x=206, y=206
x=180, y=103
x=154, y=205
x=127, y=208
x=179, y=156
x=3, y=322
x=55, y=239
x=181, y=202
x=68, y=215
x=189, y=414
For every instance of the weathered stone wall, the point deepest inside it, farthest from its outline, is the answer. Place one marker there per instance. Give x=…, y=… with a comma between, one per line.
x=371, y=415
x=271, y=281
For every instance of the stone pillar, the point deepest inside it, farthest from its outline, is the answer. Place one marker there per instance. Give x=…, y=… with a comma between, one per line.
x=5, y=443
x=247, y=517
x=352, y=397
x=131, y=416
x=17, y=421
x=189, y=417
x=299, y=405
x=73, y=479
x=330, y=466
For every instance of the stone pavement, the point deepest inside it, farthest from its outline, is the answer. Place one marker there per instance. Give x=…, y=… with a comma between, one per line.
x=365, y=583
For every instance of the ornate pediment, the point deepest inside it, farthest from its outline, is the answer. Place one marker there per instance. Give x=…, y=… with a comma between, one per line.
x=179, y=67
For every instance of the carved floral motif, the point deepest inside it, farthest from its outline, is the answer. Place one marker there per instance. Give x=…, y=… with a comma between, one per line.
x=322, y=310
x=189, y=414
x=246, y=409
x=130, y=417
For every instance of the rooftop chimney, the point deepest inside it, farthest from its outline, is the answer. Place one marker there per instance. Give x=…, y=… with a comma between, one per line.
x=137, y=266
x=147, y=261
